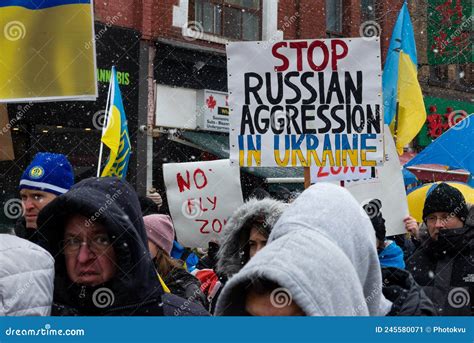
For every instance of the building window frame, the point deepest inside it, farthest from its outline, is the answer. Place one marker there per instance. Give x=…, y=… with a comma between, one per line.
x=222, y=8
x=334, y=28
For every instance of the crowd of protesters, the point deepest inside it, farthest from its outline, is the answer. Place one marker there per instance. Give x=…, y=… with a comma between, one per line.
x=96, y=248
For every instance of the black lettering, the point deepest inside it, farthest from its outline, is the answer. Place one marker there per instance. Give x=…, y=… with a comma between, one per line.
x=279, y=96
x=335, y=87
x=257, y=120
x=246, y=121
x=309, y=87
x=373, y=122
x=252, y=89
x=326, y=121
x=295, y=88
x=358, y=109
x=342, y=124
x=305, y=118
x=350, y=88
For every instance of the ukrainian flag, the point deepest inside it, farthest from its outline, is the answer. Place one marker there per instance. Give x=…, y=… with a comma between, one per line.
x=401, y=89
x=115, y=135
x=47, y=50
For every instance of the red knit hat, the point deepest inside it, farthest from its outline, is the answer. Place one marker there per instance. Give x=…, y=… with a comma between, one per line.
x=159, y=229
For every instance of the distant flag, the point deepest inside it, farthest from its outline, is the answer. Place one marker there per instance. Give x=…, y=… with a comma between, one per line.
x=47, y=50
x=400, y=83
x=115, y=134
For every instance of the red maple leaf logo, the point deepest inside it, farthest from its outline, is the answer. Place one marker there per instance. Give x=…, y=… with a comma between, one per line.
x=211, y=102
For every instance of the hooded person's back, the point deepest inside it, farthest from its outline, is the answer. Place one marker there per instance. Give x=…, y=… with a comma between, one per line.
x=135, y=289
x=26, y=278
x=322, y=251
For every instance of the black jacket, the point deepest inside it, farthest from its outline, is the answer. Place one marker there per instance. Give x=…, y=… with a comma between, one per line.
x=407, y=296
x=186, y=286
x=445, y=270
x=135, y=289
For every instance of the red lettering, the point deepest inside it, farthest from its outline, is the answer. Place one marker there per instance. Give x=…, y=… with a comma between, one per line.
x=321, y=173
x=285, y=63
x=334, y=56
x=336, y=170
x=219, y=229
x=324, y=48
x=214, y=203
x=299, y=46
x=362, y=170
x=203, y=178
x=205, y=222
x=183, y=183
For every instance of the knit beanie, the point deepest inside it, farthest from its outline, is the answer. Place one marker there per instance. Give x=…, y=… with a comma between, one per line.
x=159, y=229
x=445, y=198
x=48, y=172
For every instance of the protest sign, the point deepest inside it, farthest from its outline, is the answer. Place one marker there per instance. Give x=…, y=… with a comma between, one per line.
x=389, y=189
x=356, y=174
x=306, y=102
x=201, y=196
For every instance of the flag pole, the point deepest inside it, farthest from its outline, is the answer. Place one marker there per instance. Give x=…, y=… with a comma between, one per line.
x=395, y=124
x=106, y=121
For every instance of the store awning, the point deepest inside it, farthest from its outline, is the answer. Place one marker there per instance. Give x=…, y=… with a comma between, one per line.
x=218, y=145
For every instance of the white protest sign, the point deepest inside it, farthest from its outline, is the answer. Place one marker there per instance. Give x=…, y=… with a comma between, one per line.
x=356, y=174
x=305, y=102
x=390, y=190
x=201, y=196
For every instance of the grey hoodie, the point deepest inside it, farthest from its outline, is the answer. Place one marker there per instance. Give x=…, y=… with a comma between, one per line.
x=322, y=251
x=228, y=257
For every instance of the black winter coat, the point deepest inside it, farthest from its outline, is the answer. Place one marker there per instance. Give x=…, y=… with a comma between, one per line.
x=445, y=270
x=135, y=289
x=186, y=286
x=407, y=296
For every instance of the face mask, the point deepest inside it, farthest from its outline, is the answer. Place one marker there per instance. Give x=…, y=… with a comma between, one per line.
x=450, y=241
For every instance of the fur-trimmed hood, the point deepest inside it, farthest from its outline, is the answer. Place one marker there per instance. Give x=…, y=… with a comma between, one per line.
x=229, y=259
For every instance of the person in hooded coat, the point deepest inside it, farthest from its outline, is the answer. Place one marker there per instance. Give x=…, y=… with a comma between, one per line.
x=245, y=233
x=130, y=286
x=399, y=286
x=443, y=264
x=26, y=278
x=322, y=254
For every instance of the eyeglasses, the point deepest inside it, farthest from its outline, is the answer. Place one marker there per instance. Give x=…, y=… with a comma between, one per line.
x=97, y=244
x=444, y=218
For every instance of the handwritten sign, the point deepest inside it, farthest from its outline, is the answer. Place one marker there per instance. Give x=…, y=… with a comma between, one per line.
x=306, y=102
x=201, y=196
x=321, y=174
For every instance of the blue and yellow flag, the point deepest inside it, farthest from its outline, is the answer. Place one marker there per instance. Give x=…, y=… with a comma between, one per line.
x=400, y=83
x=47, y=50
x=115, y=135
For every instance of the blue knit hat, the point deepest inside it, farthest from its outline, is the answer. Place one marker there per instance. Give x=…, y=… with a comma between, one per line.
x=48, y=172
